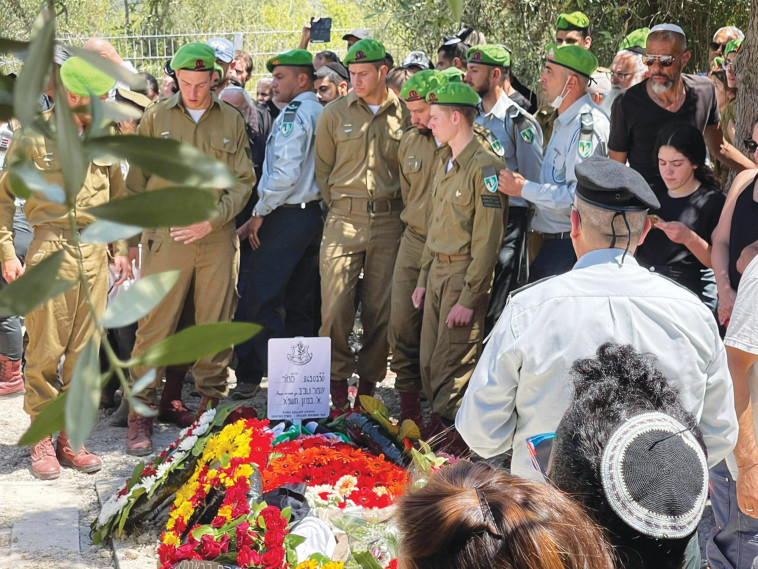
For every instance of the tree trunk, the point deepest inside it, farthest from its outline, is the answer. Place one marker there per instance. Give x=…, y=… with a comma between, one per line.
x=747, y=81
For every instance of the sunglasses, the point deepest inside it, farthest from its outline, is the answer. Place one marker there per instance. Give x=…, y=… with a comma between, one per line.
x=751, y=145
x=715, y=46
x=619, y=74
x=664, y=60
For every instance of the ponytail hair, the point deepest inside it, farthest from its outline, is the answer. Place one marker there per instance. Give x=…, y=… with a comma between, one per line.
x=470, y=516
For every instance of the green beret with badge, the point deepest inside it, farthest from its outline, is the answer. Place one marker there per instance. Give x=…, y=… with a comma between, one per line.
x=292, y=58
x=420, y=84
x=453, y=93
x=732, y=46
x=635, y=41
x=572, y=57
x=573, y=21
x=489, y=54
x=366, y=51
x=453, y=74
x=84, y=79
x=194, y=57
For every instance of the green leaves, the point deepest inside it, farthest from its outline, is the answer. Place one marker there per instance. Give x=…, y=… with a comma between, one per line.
x=83, y=395
x=25, y=178
x=37, y=286
x=70, y=151
x=50, y=420
x=31, y=79
x=102, y=231
x=178, y=162
x=139, y=299
x=169, y=207
x=195, y=343
x=456, y=9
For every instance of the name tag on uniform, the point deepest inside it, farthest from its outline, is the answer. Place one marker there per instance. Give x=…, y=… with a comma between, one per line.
x=492, y=201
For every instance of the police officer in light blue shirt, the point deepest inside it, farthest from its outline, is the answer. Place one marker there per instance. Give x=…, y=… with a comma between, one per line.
x=521, y=386
x=580, y=131
x=285, y=229
x=520, y=135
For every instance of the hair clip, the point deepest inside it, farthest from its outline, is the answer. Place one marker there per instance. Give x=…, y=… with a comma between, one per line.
x=489, y=519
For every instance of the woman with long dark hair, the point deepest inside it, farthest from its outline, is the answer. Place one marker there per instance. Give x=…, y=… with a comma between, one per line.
x=679, y=246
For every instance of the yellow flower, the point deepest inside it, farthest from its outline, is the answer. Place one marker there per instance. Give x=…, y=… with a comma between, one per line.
x=332, y=565
x=170, y=523
x=225, y=512
x=171, y=539
x=309, y=564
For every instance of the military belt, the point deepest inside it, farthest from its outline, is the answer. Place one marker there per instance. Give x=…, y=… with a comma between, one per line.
x=363, y=205
x=52, y=234
x=452, y=258
x=549, y=236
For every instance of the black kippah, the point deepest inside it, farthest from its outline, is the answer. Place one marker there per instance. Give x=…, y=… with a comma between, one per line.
x=655, y=476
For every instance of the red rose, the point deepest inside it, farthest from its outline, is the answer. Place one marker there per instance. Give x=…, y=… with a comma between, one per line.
x=273, y=538
x=218, y=521
x=273, y=558
x=209, y=548
x=392, y=564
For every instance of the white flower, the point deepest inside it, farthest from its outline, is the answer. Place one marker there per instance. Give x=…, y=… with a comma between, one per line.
x=147, y=482
x=184, y=432
x=163, y=468
x=200, y=430
x=346, y=485
x=188, y=443
x=207, y=417
x=380, y=490
x=313, y=498
x=112, y=507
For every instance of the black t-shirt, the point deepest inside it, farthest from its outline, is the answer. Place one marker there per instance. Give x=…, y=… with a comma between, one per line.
x=700, y=211
x=636, y=121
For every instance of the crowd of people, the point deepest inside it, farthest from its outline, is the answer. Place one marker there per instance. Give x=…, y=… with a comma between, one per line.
x=556, y=273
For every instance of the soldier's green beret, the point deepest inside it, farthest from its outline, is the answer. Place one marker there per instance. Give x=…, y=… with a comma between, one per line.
x=453, y=74
x=635, y=41
x=194, y=57
x=419, y=85
x=572, y=57
x=573, y=21
x=732, y=47
x=292, y=58
x=453, y=93
x=489, y=54
x=84, y=79
x=365, y=51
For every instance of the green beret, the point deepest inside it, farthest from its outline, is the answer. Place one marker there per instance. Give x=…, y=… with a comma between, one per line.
x=573, y=57
x=453, y=93
x=573, y=21
x=419, y=85
x=194, y=57
x=732, y=47
x=365, y=51
x=635, y=41
x=84, y=79
x=453, y=74
x=292, y=58
x=489, y=54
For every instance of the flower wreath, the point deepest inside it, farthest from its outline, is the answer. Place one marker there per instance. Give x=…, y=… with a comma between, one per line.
x=248, y=535
x=146, y=480
x=337, y=474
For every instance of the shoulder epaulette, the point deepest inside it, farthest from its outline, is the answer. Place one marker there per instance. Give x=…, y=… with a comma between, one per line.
x=521, y=123
x=490, y=138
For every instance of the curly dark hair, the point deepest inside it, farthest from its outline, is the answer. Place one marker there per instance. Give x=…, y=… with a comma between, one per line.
x=608, y=390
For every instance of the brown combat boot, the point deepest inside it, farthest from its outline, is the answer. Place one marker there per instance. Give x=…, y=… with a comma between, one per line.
x=139, y=429
x=171, y=408
x=44, y=464
x=410, y=408
x=83, y=461
x=11, y=378
x=207, y=403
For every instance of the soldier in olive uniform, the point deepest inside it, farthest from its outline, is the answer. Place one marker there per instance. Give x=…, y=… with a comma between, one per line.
x=206, y=253
x=465, y=232
x=357, y=139
x=61, y=327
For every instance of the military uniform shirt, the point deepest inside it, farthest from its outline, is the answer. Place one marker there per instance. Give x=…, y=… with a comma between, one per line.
x=289, y=169
x=521, y=386
x=220, y=133
x=419, y=156
x=103, y=182
x=356, y=150
x=522, y=143
x=467, y=218
x=554, y=193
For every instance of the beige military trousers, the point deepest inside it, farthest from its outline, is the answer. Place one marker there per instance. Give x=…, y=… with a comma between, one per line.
x=448, y=355
x=405, y=319
x=354, y=240
x=62, y=326
x=208, y=281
